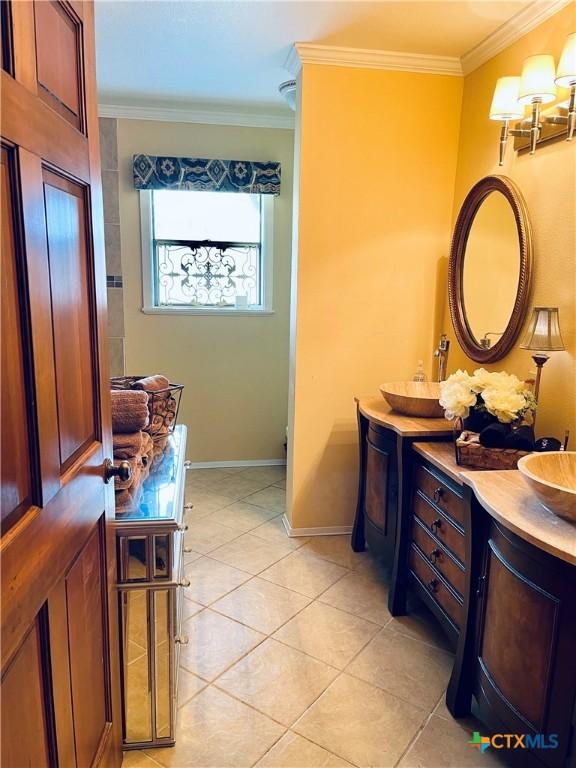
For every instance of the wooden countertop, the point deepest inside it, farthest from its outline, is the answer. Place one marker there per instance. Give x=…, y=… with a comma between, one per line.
x=376, y=409
x=506, y=496
x=441, y=454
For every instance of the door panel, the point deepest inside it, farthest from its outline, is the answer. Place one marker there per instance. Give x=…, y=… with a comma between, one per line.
x=16, y=470
x=515, y=656
x=58, y=36
x=59, y=645
x=72, y=318
x=26, y=726
x=85, y=586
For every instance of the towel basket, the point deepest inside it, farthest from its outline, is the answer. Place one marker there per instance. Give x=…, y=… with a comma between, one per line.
x=163, y=405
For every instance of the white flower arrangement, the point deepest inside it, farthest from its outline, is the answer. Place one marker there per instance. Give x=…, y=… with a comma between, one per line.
x=501, y=394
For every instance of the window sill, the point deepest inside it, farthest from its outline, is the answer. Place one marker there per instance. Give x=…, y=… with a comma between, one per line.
x=231, y=312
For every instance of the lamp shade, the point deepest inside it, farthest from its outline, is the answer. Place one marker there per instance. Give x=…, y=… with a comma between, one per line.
x=505, y=100
x=544, y=330
x=566, y=72
x=537, y=81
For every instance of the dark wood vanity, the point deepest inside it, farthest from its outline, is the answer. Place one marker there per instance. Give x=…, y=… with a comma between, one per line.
x=496, y=569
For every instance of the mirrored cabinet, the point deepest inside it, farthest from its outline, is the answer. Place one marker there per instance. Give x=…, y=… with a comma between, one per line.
x=151, y=580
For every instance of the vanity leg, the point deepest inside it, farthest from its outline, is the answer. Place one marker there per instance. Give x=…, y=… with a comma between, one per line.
x=398, y=588
x=358, y=540
x=460, y=687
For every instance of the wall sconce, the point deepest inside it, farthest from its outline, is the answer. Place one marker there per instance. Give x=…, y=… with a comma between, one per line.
x=536, y=86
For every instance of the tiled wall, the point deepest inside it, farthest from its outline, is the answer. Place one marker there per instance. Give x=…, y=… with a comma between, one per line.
x=109, y=159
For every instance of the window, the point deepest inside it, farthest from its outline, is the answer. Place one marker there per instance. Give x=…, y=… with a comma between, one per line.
x=206, y=252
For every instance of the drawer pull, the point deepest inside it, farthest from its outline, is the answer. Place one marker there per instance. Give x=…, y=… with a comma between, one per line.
x=433, y=585
x=182, y=527
x=436, y=524
x=184, y=583
x=187, y=550
x=434, y=556
x=182, y=639
x=188, y=506
x=438, y=493
x=187, y=465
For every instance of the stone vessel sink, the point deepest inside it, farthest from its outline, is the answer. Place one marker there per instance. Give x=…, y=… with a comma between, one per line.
x=552, y=477
x=414, y=398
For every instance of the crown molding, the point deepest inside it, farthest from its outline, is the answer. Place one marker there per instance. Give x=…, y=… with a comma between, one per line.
x=206, y=116
x=513, y=29
x=309, y=53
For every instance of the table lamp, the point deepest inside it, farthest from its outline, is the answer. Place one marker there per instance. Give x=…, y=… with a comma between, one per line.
x=544, y=336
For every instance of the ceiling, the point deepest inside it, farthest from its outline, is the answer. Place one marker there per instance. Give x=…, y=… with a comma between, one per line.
x=226, y=54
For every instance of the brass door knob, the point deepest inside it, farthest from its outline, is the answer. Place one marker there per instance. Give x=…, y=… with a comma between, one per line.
x=122, y=471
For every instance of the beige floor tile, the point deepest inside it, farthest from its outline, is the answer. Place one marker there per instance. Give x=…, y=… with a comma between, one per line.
x=205, y=535
x=361, y=723
x=261, y=605
x=275, y=532
x=280, y=484
x=338, y=550
x=441, y=709
x=293, y=751
x=242, y=517
x=444, y=744
x=277, y=680
x=408, y=668
x=215, y=642
x=267, y=475
x=327, y=634
x=421, y=624
x=210, y=580
x=250, y=553
x=189, y=557
x=204, y=502
x=360, y=595
x=270, y=498
x=237, y=487
x=304, y=572
x=188, y=686
x=217, y=731
x=205, y=477
x=134, y=651
x=190, y=607
x=134, y=758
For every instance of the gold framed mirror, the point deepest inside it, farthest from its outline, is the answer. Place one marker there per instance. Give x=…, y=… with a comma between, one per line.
x=490, y=269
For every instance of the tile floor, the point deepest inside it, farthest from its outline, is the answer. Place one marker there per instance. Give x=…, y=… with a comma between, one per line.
x=293, y=659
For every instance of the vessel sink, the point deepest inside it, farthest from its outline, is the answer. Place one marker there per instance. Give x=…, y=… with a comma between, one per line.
x=552, y=477
x=414, y=398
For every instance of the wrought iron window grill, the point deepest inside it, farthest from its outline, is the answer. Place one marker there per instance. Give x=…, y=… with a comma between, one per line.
x=207, y=273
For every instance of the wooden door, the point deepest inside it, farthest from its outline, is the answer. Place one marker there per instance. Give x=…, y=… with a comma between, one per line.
x=59, y=660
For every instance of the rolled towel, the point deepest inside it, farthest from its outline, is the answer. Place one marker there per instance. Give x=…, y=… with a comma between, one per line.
x=521, y=439
x=128, y=500
x=494, y=435
x=129, y=410
x=126, y=446
x=152, y=383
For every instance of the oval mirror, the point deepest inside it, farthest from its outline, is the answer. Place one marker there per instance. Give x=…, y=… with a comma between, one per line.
x=490, y=269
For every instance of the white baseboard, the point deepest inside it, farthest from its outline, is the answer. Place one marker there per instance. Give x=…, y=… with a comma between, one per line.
x=224, y=464
x=331, y=530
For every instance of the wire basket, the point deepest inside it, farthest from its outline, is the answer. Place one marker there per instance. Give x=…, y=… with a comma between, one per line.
x=163, y=406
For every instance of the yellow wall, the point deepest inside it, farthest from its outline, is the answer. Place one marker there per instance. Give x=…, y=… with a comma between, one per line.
x=376, y=181
x=547, y=181
x=235, y=369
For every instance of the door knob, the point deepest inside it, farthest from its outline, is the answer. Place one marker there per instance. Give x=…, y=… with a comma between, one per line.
x=123, y=470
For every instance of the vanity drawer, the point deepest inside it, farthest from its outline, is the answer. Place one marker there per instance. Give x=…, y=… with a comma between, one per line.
x=432, y=582
x=438, y=556
x=440, y=493
x=440, y=525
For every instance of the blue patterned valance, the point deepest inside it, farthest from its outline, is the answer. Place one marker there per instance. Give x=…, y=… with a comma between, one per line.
x=151, y=172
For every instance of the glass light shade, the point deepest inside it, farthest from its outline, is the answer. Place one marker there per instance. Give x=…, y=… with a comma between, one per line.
x=566, y=71
x=544, y=330
x=537, y=81
x=505, y=100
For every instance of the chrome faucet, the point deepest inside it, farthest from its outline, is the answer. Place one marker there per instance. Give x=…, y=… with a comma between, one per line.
x=442, y=354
